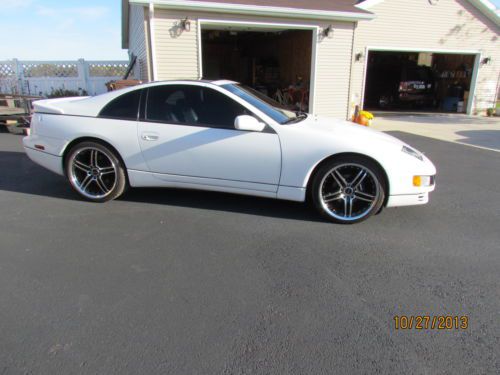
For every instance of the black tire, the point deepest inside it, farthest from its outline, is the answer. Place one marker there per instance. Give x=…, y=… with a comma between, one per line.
x=344, y=200
x=98, y=181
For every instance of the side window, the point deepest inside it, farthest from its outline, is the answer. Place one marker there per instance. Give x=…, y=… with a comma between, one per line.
x=218, y=110
x=192, y=105
x=124, y=107
x=166, y=104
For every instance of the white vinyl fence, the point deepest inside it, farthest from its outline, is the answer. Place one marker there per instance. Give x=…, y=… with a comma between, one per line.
x=43, y=77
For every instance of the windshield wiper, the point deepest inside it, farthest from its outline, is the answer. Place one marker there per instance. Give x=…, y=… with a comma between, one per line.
x=299, y=116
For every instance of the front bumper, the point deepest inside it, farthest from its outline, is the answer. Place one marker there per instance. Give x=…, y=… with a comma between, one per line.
x=414, y=195
x=411, y=182
x=407, y=200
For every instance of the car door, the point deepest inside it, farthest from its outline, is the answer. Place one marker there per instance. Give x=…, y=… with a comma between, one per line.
x=187, y=135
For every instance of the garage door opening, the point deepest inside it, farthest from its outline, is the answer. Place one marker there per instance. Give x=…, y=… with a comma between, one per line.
x=418, y=81
x=274, y=62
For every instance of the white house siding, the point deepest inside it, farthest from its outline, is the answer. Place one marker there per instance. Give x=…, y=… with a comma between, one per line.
x=138, y=41
x=177, y=54
x=416, y=24
x=333, y=71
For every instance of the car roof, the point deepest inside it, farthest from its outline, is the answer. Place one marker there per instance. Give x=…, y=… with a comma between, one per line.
x=217, y=82
x=91, y=106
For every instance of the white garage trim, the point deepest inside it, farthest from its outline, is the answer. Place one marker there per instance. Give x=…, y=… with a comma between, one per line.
x=367, y=4
x=267, y=25
x=430, y=50
x=200, y=52
x=473, y=82
x=314, y=59
x=257, y=10
x=152, y=39
x=475, y=70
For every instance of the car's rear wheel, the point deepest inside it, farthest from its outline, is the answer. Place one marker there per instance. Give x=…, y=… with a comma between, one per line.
x=95, y=172
x=348, y=189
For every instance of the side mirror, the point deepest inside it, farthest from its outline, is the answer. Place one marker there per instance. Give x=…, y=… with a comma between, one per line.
x=248, y=123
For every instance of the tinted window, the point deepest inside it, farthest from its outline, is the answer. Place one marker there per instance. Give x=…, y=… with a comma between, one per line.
x=124, y=107
x=192, y=105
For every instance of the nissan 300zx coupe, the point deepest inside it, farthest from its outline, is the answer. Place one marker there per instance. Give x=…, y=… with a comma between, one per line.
x=223, y=136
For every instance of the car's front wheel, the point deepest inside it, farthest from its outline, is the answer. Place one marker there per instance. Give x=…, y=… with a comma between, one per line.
x=95, y=172
x=348, y=189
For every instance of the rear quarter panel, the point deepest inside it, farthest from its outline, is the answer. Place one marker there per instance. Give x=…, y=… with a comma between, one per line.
x=58, y=131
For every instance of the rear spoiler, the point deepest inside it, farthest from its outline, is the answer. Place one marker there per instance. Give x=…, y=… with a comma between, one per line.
x=55, y=106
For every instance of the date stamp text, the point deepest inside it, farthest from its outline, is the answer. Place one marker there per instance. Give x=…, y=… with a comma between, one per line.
x=426, y=322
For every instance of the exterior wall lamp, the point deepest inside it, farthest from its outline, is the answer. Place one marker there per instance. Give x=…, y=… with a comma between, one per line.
x=185, y=24
x=486, y=61
x=358, y=57
x=328, y=32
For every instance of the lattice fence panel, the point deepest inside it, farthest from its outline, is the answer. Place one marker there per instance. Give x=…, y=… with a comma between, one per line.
x=50, y=70
x=107, y=69
x=6, y=70
x=8, y=78
x=43, y=77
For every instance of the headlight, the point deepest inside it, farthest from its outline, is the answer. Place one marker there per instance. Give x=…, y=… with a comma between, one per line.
x=413, y=153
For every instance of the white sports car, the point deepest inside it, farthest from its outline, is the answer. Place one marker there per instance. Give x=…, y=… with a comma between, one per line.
x=222, y=136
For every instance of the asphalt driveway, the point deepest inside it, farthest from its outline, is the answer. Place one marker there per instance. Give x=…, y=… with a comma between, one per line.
x=184, y=282
x=476, y=131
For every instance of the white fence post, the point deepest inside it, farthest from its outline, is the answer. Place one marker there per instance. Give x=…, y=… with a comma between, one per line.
x=18, y=70
x=83, y=74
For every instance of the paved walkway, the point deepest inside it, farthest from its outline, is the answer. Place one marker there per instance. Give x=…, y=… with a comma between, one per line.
x=482, y=132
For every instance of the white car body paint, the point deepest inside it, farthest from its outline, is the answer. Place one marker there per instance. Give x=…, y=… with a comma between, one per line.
x=276, y=163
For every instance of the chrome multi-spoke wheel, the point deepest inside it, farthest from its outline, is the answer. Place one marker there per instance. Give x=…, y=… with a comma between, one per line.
x=95, y=172
x=348, y=191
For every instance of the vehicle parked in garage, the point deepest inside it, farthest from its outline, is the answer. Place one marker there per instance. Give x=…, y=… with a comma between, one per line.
x=408, y=86
x=222, y=136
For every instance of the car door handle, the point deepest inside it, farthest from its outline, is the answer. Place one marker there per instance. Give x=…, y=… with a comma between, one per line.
x=149, y=137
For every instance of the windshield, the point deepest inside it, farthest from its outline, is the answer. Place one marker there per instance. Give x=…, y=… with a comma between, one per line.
x=270, y=107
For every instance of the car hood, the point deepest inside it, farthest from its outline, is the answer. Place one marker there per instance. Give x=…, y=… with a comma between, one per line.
x=347, y=130
x=331, y=135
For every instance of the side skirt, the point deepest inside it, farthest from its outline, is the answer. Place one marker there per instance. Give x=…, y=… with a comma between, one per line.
x=147, y=179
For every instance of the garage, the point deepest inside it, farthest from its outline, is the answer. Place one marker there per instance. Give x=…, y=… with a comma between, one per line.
x=326, y=57
x=274, y=61
x=426, y=56
x=419, y=81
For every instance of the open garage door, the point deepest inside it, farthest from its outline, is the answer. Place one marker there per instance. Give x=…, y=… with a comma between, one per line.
x=419, y=81
x=275, y=61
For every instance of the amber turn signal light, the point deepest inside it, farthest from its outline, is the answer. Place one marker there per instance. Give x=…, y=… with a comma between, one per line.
x=423, y=181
